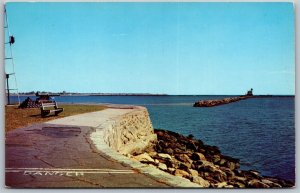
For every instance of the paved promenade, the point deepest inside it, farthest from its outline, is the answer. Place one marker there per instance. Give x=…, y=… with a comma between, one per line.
x=60, y=153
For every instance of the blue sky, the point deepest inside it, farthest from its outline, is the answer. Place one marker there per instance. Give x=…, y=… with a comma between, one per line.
x=171, y=48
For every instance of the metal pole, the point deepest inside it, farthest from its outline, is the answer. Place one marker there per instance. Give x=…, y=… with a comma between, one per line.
x=12, y=60
x=8, y=100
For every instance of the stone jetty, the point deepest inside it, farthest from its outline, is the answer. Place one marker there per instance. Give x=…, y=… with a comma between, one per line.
x=202, y=164
x=212, y=103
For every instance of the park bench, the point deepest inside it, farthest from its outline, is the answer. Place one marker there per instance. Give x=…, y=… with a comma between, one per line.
x=50, y=107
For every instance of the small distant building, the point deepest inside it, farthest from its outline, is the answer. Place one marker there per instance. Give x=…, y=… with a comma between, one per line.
x=250, y=92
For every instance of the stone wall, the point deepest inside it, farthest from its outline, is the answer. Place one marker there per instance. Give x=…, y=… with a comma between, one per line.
x=131, y=132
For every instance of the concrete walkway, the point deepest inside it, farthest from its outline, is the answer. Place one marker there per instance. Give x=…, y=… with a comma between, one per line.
x=61, y=153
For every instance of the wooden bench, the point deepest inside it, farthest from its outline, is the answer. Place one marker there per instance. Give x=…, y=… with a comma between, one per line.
x=50, y=107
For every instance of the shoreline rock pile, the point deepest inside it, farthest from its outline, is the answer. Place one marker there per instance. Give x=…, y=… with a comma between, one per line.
x=212, y=103
x=202, y=164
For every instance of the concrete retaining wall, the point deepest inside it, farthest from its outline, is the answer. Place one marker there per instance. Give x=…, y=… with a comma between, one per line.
x=131, y=132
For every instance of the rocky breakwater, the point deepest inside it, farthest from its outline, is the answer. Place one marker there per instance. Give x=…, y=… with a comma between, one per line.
x=212, y=103
x=202, y=164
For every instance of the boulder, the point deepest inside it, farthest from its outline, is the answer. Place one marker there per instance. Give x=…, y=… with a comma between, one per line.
x=251, y=174
x=205, y=167
x=172, y=164
x=280, y=182
x=240, y=179
x=212, y=150
x=198, y=142
x=184, y=166
x=198, y=156
x=169, y=163
x=164, y=156
x=181, y=173
x=143, y=158
x=160, y=146
x=183, y=158
x=216, y=158
x=257, y=184
x=211, y=180
x=238, y=185
x=230, y=174
x=222, y=162
x=168, y=151
x=255, y=174
x=219, y=175
x=201, y=150
x=178, y=151
x=191, y=145
x=152, y=153
x=171, y=170
x=221, y=184
x=193, y=172
x=159, y=134
x=271, y=184
x=162, y=166
x=199, y=180
x=231, y=165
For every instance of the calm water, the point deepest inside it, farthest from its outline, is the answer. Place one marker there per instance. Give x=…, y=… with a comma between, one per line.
x=259, y=131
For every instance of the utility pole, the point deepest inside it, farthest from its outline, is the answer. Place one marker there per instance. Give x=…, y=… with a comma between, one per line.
x=9, y=70
x=7, y=87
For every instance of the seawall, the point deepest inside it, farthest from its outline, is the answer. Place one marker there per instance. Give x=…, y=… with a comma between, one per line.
x=131, y=132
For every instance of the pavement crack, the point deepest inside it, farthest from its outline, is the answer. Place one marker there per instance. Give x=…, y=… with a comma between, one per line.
x=87, y=181
x=40, y=159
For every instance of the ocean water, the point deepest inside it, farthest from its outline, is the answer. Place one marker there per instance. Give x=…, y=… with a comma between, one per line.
x=258, y=131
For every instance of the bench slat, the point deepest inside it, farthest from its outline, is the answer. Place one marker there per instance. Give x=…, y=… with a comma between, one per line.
x=45, y=112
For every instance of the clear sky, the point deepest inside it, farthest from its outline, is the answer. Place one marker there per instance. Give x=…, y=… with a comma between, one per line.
x=171, y=48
